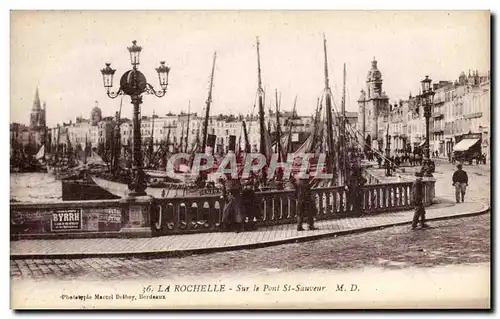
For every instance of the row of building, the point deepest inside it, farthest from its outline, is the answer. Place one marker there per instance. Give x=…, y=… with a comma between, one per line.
x=181, y=130
x=178, y=130
x=459, y=108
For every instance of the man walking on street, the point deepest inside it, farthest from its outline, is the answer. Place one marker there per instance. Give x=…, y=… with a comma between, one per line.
x=418, y=202
x=460, y=181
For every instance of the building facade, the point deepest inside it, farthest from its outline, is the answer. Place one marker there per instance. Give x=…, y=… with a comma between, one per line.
x=459, y=107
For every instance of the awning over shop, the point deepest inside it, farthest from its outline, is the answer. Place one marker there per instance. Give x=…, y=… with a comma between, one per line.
x=465, y=144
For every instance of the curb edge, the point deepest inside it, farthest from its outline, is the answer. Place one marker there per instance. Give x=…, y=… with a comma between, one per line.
x=200, y=251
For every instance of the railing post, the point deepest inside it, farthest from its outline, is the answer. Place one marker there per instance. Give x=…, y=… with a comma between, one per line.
x=138, y=210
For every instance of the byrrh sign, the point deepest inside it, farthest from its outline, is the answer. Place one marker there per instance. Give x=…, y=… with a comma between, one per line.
x=67, y=219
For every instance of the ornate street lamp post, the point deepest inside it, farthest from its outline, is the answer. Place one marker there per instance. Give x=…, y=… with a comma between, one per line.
x=427, y=99
x=134, y=84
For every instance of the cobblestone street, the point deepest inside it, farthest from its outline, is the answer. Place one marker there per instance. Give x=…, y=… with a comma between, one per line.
x=455, y=241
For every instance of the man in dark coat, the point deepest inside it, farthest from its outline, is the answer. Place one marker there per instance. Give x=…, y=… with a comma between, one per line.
x=460, y=180
x=251, y=204
x=305, y=204
x=418, y=202
x=355, y=191
x=232, y=215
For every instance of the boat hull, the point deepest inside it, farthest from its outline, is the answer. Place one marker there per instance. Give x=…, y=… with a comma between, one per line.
x=84, y=189
x=174, y=190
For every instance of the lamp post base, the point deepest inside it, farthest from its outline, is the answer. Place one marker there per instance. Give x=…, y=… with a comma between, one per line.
x=138, y=185
x=428, y=167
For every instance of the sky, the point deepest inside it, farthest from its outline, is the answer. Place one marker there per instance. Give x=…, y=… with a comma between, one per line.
x=62, y=52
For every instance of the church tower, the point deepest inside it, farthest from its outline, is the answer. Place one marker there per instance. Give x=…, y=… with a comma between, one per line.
x=36, y=112
x=372, y=103
x=38, y=120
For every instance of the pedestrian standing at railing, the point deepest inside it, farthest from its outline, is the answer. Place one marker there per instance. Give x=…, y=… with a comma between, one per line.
x=232, y=215
x=355, y=192
x=460, y=180
x=418, y=202
x=305, y=203
x=251, y=204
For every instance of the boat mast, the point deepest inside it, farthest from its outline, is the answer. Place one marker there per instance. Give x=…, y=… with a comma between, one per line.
x=117, y=138
x=196, y=143
x=187, y=131
x=151, y=141
x=168, y=140
x=207, y=108
x=260, y=93
x=181, y=140
x=85, y=150
x=343, y=132
x=317, y=117
x=247, y=142
x=269, y=125
x=278, y=127
x=288, y=148
x=329, y=118
x=69, y=151
x=56, y=157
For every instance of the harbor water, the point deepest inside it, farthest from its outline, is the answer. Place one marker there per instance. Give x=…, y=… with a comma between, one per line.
x=35, y=188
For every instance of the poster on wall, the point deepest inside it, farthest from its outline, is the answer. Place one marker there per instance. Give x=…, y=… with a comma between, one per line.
x=67, y=219
x=91, y=220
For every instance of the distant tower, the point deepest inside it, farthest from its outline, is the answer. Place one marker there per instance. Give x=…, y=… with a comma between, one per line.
x=37, y=121
x=37, y=116
x=372, y=104
x=96, y=114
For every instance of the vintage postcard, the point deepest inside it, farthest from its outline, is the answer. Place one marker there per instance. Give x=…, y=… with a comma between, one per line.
x=250, y=159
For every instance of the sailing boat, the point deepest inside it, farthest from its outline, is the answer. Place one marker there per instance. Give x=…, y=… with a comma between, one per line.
x=64, y=166
x=80, y=185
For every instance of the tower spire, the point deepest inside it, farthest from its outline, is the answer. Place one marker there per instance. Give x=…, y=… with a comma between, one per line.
x=36, y=101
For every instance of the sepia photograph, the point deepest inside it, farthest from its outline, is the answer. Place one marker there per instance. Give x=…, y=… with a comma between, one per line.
x=273, y=159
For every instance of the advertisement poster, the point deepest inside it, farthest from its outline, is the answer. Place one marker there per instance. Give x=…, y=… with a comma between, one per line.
x=66, y=220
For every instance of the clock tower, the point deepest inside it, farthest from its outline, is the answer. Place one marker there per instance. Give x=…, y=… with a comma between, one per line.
x=372, y=103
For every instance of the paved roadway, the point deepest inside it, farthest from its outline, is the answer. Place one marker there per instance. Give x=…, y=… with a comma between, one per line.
x=479, y=180
x=464, y=240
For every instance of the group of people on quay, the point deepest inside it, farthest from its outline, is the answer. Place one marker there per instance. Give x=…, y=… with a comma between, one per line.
x=242, y=207
x=411, y=159
x=240, y=204
x=480, y=159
